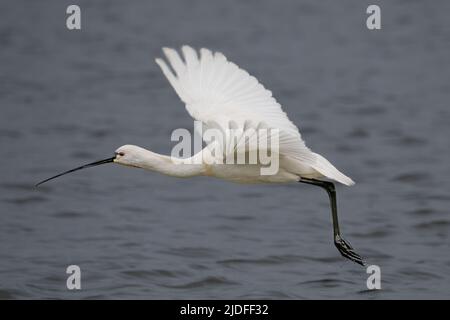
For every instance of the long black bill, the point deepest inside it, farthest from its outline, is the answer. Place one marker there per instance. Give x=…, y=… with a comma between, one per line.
x=89, y=165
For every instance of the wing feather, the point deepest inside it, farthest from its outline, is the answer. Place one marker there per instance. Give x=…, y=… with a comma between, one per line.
x=220, y=94
x=217, y=90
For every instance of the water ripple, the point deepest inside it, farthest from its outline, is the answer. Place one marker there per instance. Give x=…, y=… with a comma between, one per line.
x=206, y=282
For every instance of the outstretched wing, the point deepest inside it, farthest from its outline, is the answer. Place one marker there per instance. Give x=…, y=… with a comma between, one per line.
x=220, y=94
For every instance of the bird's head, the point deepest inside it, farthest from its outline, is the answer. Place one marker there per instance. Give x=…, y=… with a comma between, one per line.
x=127, y=155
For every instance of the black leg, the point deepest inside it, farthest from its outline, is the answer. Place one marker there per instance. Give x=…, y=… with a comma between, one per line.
x=343, y=246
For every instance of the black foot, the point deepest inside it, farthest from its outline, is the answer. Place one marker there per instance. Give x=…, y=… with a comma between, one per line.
x=347, y=251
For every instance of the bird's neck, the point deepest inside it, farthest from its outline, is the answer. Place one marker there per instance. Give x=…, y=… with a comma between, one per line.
x=171, y=166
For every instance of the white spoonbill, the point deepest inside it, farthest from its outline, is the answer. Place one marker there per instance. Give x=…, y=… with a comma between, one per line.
x=221, y=95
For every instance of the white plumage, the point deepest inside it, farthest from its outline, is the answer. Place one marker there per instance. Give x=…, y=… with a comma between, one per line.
x=219, y=93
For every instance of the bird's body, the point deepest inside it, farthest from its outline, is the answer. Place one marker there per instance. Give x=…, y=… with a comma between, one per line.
x=226, y=98
x=201, y=164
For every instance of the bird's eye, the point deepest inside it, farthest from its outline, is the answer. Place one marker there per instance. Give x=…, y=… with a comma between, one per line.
x=120, y=154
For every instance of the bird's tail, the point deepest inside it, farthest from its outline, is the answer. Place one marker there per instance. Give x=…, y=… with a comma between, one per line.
x=324, y=167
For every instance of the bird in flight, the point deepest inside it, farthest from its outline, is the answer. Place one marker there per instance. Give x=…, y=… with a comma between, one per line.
x=223, y=96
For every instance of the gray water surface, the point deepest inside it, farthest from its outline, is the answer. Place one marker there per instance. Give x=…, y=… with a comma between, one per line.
x=375, y=103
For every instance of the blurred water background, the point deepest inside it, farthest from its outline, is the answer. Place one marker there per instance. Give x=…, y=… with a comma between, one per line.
x=375, y=103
